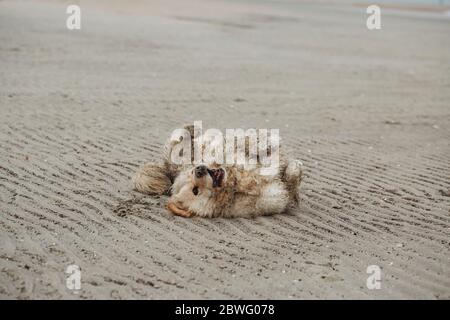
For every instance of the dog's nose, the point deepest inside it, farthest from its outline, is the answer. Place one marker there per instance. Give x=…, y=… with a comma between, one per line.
x=201, y=171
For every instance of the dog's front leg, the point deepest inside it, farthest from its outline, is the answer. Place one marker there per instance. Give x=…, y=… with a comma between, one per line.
x=177, y=211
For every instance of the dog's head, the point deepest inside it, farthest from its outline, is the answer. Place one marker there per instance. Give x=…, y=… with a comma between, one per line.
x=193, y=189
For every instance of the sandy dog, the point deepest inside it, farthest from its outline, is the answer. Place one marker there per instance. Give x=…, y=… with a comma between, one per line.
x=213, y=190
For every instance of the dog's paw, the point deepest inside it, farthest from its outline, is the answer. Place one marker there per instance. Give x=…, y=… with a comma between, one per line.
x=294, y=169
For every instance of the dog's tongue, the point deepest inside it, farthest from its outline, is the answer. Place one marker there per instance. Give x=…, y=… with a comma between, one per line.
x=216, y=177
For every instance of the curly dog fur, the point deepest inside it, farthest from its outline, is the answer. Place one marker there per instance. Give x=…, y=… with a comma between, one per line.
x=210, y=190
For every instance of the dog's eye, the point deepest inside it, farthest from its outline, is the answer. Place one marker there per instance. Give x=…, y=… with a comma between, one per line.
x=195, y=190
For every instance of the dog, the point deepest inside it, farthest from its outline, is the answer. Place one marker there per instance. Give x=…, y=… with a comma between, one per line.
x=212, y=190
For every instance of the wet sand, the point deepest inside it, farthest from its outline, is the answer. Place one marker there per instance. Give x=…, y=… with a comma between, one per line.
x=367, y=112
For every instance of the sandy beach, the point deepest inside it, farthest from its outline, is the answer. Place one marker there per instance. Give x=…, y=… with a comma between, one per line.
x=367, y=112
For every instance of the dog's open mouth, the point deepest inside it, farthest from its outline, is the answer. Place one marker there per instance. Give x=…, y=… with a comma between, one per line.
x=217, y=176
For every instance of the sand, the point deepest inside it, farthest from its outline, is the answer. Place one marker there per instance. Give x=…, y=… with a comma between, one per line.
x=367, y=112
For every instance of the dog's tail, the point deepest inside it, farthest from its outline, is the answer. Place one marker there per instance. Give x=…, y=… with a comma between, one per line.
x=292, y=177
x=152, y=179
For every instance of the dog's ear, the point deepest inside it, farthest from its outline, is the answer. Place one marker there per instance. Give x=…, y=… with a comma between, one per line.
x=172, y=168
x=152, y=179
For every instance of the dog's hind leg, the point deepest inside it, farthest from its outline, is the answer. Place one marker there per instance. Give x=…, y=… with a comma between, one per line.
x=152, y=179
x=273, y=199
x=292, y=178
